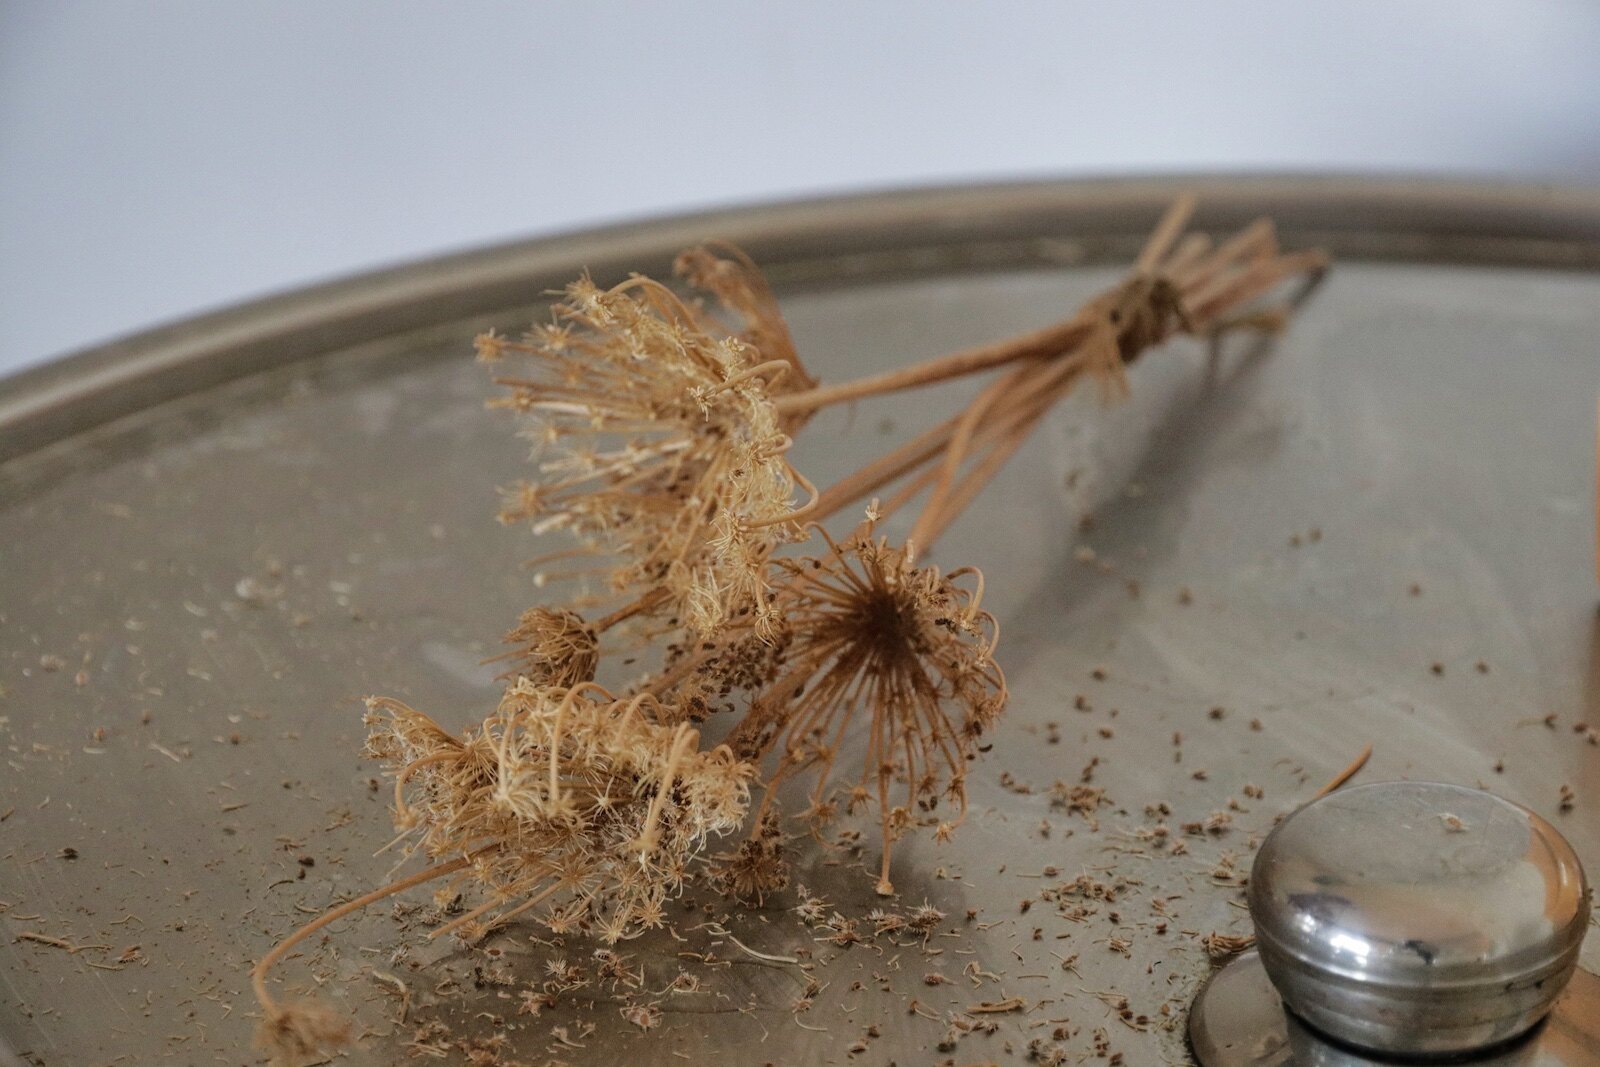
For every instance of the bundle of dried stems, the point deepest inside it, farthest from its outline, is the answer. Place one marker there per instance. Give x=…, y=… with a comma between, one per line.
x=661, y=434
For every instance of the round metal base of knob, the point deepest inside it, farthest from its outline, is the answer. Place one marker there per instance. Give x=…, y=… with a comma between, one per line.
x=1238, y=1020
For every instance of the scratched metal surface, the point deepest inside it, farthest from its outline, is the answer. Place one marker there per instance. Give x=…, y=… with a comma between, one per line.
x=1378, y=531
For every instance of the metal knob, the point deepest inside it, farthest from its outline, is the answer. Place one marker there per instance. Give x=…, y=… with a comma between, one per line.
x=1408, y=919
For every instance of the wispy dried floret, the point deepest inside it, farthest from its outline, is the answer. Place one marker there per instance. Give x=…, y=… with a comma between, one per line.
x=729, y=274
x=553, y=647
x=874, y=635
x=1073, y=797
x=885, y=922
x=614, y=968
x=812, y=909
x=644, y=1016
x=1046, y=1053
x=758, y=866
x=570, y=804
x=657, y=447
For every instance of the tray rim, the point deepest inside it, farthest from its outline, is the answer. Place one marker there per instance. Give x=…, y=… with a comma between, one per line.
x=1407, y=219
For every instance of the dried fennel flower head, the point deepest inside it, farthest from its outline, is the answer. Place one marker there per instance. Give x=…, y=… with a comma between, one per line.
x=571, y=805
x=657, y=447
x=872, y=634
x=553, y=647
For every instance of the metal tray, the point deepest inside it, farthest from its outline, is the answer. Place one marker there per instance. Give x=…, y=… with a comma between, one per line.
x=216, y=537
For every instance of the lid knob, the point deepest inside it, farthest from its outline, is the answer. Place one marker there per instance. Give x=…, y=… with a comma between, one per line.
x=1418, y=919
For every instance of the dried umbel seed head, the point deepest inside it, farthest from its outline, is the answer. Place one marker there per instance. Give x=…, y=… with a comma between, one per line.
x=702, y=678
x=758, y=866
x=657, y=447
x=565, y=804
x=906, y=648
x=553, y=647
x=572, y=806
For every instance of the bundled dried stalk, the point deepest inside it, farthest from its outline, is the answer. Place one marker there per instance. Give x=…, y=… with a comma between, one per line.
x=1180, y=284
x=662, y=434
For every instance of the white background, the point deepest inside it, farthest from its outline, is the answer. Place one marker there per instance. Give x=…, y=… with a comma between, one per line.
x=171, y=156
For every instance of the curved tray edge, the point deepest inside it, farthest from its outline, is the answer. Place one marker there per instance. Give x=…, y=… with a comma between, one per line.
x=1403, y=218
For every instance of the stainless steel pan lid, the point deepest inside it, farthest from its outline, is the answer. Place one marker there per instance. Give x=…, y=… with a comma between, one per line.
x=216, y=538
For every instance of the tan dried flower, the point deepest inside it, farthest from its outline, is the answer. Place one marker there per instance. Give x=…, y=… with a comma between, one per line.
x=566, y=800
x=874, y=635
x=565, y=803
x=657, y=447
x=725, y=271
x=758, y=866
x=644, y=1016
x=553, y=647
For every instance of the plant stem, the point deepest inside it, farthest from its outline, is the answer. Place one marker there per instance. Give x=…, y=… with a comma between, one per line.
x=885, y=469
x=258, y=975
x=1026, y=400
x=1191, y=264
x=1166, y=233
x=628, y=611
x=1345, y=775
x=1038, y=344
x=968, y=488
x=961, y=439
